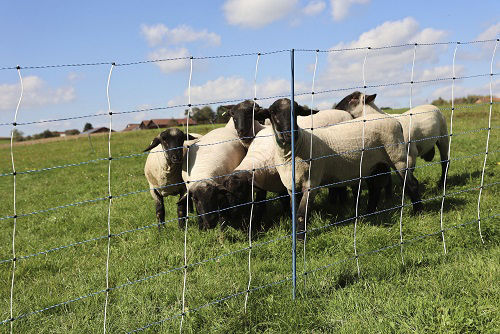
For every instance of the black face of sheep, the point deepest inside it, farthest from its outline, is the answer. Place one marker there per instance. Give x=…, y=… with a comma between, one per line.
x=243, y=117
x=171, y=140
x=238, y=188
x=209, y=199
x=353, y=100
x=279, y=114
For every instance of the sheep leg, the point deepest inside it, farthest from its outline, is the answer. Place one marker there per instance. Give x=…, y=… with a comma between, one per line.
x=442, y=145
x=182, y=209
x=258, y=210
x=388, y=188
x=337, y=195
x=373, y=195
x=284, y=200
x=160, y=208
x=413, y=192
x=301, y=212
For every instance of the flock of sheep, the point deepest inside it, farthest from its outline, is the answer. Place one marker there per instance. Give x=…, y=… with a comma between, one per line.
x=238, y=164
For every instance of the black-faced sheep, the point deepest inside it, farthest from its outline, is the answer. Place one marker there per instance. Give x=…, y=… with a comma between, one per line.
x=163, y=168
x=428, y=126
x=337, y=153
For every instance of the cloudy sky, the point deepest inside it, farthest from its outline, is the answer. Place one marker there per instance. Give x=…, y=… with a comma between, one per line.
x=49, y=33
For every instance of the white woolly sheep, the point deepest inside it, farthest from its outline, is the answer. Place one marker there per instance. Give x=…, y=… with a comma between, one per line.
x=427, y=121
x=336, y=154
x=163, y=167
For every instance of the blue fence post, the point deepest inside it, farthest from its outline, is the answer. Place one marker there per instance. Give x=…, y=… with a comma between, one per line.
x=294, y=221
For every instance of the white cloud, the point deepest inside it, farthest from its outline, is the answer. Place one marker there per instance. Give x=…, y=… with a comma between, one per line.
x=36, y=93
x=235, y=88
x=490, y=33
x=154, y=34
x=314, y=7
x=340, y=8
x=256, y=13
x=345, y=68
x=159, y=33
x=440, y=72
x=169, y=66
x=462, y=91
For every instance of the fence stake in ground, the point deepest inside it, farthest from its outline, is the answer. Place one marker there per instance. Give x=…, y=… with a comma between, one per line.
x=294, y=222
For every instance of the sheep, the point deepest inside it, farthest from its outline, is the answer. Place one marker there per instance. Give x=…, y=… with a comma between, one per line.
x=227, y=146
x=260, y=156
x=337, y=152
x=427, y=121
x=163, y=167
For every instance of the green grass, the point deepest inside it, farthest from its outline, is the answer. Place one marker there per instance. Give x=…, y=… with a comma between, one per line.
x=432, y=292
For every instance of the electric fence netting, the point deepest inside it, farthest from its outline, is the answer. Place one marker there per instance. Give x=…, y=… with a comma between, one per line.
x=103, y=259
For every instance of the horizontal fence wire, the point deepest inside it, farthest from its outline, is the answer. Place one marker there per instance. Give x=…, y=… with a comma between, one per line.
x=247, y=203
x=133, y=155
x=95, y=293
x=305, y=273
x=219, y=176
x=89, y=64
x=258, y=98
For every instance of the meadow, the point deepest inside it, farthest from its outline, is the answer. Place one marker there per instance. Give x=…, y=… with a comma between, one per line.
x=431, y=292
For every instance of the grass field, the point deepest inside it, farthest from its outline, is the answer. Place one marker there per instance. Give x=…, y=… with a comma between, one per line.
x=432, y=292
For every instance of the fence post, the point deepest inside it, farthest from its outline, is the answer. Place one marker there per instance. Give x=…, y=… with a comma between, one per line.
x=294, y=222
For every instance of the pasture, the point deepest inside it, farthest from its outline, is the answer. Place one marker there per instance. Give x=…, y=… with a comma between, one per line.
x=432, y=292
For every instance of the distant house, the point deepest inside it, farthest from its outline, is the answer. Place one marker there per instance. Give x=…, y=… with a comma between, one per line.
x=132, y=127
x=486, y=99
x=59, y=133
x=159, y=123
x=102, y=129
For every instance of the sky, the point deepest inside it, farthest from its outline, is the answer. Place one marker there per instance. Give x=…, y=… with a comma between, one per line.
x=36, y=33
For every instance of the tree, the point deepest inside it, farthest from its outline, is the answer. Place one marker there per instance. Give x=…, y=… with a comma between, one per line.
x=87, y=127
x=202, y=116
x=72, y=132
x=439, y=102
x=17, y=135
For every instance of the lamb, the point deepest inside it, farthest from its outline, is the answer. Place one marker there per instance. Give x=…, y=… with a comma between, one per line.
x=260, y=156
x=218, y=153
x=427, y=121
x=163, y=167
x=337, y=152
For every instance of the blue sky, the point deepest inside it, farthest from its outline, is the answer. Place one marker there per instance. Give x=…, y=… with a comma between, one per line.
x=50, y=32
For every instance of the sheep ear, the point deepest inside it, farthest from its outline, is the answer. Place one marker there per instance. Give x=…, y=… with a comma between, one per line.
x=191, y=137
x=370, y=98
x=261, y=114
x=302, y=111
x=344, y=103
x=153, y=144
x=227, y=108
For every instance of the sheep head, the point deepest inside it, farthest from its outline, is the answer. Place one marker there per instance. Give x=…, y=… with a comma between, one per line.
x=208, y=198
x=279, y=114
x=243, y=118
x=354, y=102
x=171, y=141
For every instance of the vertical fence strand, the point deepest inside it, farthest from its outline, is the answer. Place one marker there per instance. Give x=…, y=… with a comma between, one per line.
x=449, y=148
x=310, y=167
x=14, y=200
x=110, y=113
x=252, y=186
x=360, y=167
x=487, y=145
x=408, y=145
x=187, y=199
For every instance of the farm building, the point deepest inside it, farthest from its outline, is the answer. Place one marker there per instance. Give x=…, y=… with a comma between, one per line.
x=101, y=129
x=164, y=123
